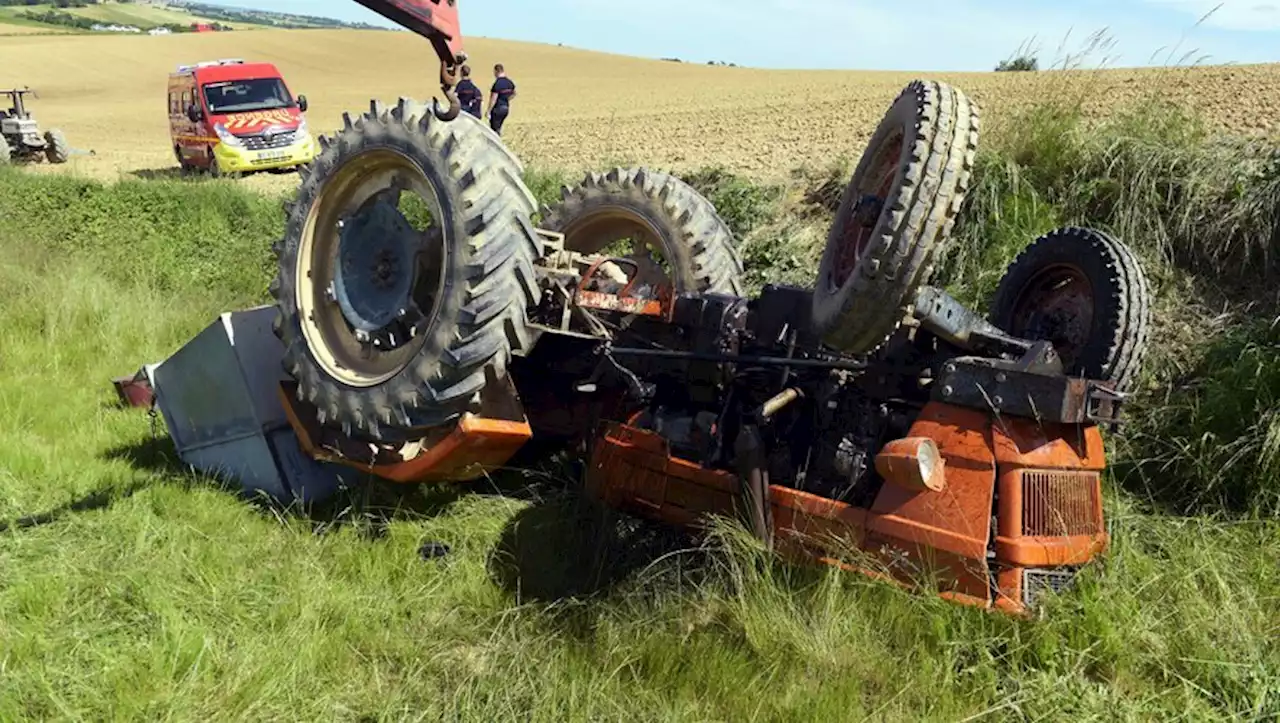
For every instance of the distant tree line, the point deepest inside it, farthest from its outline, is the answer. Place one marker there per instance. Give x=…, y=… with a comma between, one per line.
x=55, y=3
x=67, y=20
x=1022, y=63
x=53, y=17
x=1024, y=59
x=272, y=19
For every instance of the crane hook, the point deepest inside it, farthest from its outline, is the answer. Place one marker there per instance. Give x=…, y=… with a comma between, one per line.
x=448, y=78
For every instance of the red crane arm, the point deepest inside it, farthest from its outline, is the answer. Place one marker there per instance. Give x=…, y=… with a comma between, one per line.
x=435, y=20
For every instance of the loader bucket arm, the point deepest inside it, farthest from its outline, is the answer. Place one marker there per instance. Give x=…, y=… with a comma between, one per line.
x=435, y=20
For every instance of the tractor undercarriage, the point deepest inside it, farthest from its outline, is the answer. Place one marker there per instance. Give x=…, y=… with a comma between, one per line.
x=425, y=329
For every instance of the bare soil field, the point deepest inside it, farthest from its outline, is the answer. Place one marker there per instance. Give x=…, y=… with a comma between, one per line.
x=575, y=109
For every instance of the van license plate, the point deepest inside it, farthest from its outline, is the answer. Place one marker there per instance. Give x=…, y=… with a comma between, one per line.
x=272, y=156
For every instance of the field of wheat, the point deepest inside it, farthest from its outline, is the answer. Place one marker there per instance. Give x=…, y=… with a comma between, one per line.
x=576, y=108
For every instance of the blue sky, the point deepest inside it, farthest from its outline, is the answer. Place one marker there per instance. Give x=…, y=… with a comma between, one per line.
x=866, y=34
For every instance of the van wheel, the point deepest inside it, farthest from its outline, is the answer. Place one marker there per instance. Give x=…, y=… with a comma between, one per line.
x=184, y=168
x=216, y=171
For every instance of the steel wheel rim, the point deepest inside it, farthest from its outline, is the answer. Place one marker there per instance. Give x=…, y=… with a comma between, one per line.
x=1056, y=305
x=330, y=336
x=594, y=232
x=866, y=201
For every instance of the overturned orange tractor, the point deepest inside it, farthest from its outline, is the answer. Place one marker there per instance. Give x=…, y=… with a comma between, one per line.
x=426, y=329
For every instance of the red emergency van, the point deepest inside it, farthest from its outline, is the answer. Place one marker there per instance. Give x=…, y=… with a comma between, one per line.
x=231, y=117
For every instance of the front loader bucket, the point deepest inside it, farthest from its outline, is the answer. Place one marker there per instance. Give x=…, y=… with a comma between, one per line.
x=218, y=397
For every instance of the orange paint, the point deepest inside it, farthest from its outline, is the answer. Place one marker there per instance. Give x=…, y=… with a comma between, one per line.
x=911, y=534
x=475, y=446
x=259, y=119
x=1050, y=492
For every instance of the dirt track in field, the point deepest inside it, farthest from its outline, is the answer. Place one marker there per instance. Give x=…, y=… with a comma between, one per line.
x=575, y=109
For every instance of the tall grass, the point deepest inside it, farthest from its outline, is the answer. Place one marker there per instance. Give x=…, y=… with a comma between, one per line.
x=1203, y=212
x=130, y=589
x=174, y=235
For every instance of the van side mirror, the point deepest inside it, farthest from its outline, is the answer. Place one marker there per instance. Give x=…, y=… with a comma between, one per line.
x=302, y=103
x=193, y=113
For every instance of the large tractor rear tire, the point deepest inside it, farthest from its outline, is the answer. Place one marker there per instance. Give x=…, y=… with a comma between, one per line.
x=1086, y=292
x=896, y=215
x=656, y=212
x=56, y=149
x=388, y=328
x=494, y=138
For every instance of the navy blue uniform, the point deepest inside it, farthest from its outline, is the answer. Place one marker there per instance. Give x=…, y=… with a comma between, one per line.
x=504, y=89
x=470, y=96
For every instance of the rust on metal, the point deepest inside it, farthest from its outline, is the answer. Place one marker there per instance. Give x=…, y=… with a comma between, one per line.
x=474, y=446
x=873, y=193
x=1056, y=305
x=134, y=391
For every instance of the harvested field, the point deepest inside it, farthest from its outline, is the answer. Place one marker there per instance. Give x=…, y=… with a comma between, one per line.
x=13, y=26
x=576, y=108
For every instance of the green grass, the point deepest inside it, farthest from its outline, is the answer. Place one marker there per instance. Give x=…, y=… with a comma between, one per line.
x=141, y=16
x=10, y=16
x=132, y=14
x=130, y=589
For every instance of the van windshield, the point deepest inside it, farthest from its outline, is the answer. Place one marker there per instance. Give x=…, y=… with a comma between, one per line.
x=239, y=96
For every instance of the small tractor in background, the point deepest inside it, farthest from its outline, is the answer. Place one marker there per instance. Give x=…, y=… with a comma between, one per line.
x=425, y=329
x=20, y=136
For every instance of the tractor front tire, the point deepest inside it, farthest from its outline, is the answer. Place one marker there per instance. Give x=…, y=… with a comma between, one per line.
x=56, y=149
x=895, y=216
x=695, y=242
x=1085, y=292
x=484, y=254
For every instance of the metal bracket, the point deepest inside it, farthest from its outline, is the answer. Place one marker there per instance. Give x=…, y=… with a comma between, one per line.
x=1021, y=389
x=939, y=313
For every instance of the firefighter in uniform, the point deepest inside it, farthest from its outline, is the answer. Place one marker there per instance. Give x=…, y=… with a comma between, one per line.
x=500, y=98
x=469, y=94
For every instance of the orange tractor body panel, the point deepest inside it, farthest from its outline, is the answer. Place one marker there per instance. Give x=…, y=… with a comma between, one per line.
x=906, y=531
x=473, y=447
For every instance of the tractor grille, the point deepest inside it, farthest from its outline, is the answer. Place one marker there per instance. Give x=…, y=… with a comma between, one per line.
x=1036, y=583
x=264, y=143
x=1057, y=503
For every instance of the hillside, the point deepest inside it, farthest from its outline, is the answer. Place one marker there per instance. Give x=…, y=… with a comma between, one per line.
x=15, y=16
x=140, y=15
x=576, y=108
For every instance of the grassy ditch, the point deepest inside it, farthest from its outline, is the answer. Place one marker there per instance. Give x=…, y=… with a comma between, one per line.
x=130, y=589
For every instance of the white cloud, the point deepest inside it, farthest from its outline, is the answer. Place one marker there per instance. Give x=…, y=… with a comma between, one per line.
x=1262, y=15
